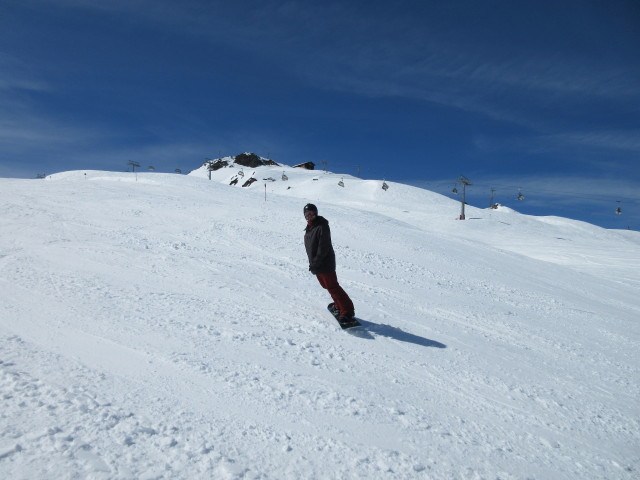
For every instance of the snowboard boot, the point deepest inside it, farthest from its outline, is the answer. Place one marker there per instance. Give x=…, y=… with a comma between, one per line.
x=345, y=318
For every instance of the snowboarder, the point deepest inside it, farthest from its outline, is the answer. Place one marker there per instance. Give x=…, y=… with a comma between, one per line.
x=322, y=262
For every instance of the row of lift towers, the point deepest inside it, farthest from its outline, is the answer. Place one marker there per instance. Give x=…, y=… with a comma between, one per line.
x=464, y=181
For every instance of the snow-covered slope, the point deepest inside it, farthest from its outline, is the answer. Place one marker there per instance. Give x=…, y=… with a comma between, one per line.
x=558, y=240
x=166, y=326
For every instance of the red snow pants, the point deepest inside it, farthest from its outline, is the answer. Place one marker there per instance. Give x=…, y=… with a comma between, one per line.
x=329, y=281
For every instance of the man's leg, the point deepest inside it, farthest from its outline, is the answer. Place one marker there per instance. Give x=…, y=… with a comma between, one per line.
x=329, y=281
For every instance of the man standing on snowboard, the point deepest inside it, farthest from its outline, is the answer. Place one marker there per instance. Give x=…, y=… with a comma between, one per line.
x=322, y=262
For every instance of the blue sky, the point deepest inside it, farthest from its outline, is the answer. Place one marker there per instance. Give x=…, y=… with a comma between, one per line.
x=541, y=97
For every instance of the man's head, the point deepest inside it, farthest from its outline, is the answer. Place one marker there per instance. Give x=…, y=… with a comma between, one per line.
x=310, y=211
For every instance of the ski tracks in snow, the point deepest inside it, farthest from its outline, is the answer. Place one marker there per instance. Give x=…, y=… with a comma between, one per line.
x=74, y=428
x=174, y=332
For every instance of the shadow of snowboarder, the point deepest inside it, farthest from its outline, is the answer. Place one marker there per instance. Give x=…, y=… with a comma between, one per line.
x=396, y=334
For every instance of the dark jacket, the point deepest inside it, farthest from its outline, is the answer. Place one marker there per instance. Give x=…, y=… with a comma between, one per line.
x=317, y=241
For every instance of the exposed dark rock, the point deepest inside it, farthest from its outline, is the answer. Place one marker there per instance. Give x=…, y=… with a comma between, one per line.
x=306, y=166
x=251, y=160
x=249, y=182
x=214, y=165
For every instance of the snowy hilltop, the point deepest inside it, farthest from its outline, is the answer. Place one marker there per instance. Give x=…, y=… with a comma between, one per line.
x=166, y=326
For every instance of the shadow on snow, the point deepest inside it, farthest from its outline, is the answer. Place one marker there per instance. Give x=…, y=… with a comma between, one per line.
x=394, y=333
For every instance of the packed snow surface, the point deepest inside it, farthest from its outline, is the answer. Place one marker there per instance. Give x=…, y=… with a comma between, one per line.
x=160, y=326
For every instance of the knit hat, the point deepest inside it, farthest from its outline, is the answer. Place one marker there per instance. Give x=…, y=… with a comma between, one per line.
x=310, y=207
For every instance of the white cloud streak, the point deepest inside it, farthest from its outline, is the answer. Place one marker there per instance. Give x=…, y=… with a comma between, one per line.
x=341, y=46
x=17, y=75
x=346, y=47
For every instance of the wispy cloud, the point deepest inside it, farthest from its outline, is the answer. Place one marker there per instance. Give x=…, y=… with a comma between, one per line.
x=523, y=91
x=20, y=124
x=628, y=140
x=17, y=75
x=382, y=51
x=343, y=46
x=592, y=145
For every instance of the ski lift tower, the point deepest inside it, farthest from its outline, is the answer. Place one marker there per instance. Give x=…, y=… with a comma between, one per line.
x=133, y=167
x=465, y=182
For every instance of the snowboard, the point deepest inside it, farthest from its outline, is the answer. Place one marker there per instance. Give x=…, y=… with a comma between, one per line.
x=344, y=325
